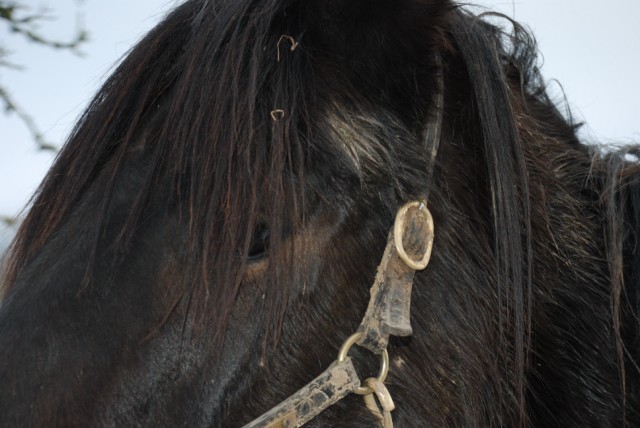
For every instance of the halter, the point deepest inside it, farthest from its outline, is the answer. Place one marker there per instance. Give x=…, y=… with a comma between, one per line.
x=408, y=249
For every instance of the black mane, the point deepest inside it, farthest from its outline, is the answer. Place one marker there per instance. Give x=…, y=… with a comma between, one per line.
x=249, y=156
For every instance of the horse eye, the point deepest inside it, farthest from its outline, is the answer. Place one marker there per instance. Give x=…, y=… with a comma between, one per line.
x=260, y=243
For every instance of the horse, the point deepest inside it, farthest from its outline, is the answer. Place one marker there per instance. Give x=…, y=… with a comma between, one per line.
x=206, y=240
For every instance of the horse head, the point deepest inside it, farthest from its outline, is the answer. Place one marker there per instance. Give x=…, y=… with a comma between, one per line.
x=207, y=238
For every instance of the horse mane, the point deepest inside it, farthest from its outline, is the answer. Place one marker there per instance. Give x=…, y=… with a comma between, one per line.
x=230, y=116
x=620, y=175
x=204, y=70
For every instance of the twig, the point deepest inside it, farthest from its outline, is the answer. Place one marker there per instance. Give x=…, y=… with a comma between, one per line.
x=277, y=115
x=12, y=107
x=290, y=39
x=8, y=221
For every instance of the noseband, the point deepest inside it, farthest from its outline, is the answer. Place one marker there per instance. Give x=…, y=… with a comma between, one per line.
x=408, y=249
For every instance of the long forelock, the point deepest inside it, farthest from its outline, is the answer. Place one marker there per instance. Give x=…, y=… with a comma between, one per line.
x=229, y=149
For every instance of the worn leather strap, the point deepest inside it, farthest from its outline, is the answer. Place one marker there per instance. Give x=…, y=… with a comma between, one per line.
x=388, y=312
x=331, y=386
x=389, y=307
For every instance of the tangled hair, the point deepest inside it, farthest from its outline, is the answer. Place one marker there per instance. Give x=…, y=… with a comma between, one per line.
x=232, y=121
x=194, y=97
x=219, y=112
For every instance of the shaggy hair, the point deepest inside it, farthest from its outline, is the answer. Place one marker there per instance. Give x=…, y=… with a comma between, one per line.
x=206, y=238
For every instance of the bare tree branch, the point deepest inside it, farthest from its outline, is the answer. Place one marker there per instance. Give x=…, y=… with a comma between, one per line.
x=10, y=106
x=8, y=221
x=24, y=22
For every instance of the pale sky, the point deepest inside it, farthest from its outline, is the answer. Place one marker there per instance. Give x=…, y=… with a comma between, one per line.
x=592, y=50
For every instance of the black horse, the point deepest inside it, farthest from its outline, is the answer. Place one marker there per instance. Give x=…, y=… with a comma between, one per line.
x=206, y=239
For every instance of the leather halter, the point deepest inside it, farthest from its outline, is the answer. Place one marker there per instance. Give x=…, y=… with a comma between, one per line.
x=408, y=249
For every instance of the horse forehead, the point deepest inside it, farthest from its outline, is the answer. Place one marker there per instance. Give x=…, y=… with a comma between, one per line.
x=368, y=140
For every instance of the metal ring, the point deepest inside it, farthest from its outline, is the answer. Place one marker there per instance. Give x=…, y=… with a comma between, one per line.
x=384, y=362
x=398, y=233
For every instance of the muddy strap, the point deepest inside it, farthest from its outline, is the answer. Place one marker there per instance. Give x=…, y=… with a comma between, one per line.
x=408, y=249
x=331, y=386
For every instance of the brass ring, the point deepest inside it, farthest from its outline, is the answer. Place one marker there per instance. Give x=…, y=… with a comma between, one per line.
x=384, y=362
x=398, y=233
